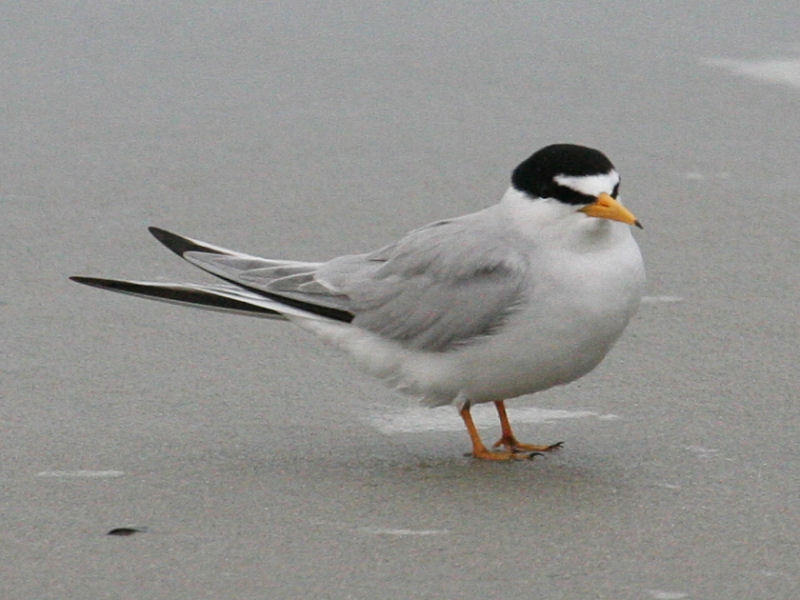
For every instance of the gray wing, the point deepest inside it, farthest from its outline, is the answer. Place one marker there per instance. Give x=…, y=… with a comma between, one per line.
x=441, y=286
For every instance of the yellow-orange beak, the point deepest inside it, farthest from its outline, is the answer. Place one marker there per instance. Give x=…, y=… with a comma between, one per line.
x=605, y=207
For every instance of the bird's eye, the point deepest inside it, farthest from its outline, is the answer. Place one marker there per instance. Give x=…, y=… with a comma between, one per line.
x=615, y=192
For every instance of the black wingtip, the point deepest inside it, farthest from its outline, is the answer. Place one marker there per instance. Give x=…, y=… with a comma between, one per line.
x=93, y=281
x=179, y=293
x=118, y=285
x=178, y=244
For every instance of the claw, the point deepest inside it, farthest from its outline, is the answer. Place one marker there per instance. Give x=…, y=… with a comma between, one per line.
x=515, y=446
x=513, y=450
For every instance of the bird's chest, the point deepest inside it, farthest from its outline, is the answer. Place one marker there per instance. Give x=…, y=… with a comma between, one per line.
x=569, y=322
x=576, y=306
x=589, y=296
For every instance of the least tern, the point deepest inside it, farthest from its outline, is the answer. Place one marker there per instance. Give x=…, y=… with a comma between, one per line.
x=526, y=294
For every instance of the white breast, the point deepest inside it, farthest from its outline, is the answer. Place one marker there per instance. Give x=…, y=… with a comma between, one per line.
x=580, y=298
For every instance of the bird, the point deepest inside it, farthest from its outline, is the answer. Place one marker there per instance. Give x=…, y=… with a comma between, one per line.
x=529, y=293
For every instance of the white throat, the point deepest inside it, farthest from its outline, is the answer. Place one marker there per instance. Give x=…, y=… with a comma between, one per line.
x=553, y=224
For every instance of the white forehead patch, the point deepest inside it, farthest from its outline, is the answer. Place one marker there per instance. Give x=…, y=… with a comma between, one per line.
x=591, y=185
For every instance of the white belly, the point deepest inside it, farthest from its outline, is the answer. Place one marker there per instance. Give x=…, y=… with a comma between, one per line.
x=570, y=322
x=572, y=316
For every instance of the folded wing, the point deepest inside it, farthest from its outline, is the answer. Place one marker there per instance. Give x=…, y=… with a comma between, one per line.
x=442, y=286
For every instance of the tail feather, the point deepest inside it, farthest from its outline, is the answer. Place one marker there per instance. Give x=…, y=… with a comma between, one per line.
x=181, y=245
x=236, y=295
x=230, y=266
x=188, y=249
x=222, y=298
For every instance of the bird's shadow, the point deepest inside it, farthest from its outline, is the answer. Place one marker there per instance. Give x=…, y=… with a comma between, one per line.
x=578, y=474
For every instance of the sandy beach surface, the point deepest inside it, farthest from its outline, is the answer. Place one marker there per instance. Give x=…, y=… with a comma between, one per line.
x=254, y=462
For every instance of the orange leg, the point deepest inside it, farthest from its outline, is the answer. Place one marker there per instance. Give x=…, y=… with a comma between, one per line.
x=479, y=450
x=510, y=441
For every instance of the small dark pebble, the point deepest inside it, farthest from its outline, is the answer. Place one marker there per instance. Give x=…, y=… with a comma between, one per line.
x=124, y=531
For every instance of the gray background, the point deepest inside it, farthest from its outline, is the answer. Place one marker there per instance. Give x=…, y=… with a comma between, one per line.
x=251, y=452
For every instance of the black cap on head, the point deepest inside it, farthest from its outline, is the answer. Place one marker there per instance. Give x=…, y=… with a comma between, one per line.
x=536, y=175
